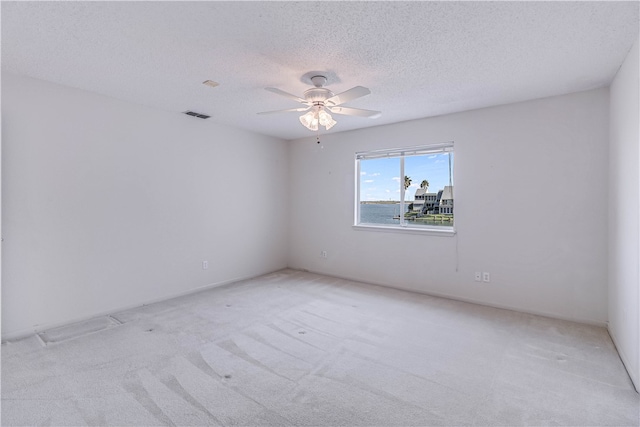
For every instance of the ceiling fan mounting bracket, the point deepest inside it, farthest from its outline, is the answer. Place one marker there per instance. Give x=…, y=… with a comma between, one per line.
x=329, y=76
x=319, y=81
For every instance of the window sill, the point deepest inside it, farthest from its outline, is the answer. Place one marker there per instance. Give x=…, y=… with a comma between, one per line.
x=448, y=232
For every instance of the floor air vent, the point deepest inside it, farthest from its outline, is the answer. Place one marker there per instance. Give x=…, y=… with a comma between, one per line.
x=198, y=115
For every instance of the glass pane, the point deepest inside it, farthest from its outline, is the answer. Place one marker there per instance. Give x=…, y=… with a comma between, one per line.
x=380, y=191
x=430, y=195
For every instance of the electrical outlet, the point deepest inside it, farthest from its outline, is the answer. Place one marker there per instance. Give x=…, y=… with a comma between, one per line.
x=486, y=277
x=323, y=254
x=205, y=265
x=478, y=276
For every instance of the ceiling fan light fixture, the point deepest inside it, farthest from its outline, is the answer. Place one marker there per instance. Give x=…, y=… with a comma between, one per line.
x=309, y=120
x=318, y=116
x=325, y=119
x=330, y=123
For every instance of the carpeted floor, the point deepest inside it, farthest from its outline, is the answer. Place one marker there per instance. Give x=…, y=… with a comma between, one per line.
x=294, y=348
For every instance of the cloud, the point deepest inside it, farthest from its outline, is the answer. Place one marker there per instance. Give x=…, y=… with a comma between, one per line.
x=396, y=178
x=432, y=156
x=363, y=173
x=368, y=180
x=375, y=174
x=387, y=191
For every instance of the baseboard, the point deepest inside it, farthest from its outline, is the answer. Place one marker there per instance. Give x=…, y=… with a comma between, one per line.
x=23, y=333
x=601, y=324
x=16, y=335
x=625, y=361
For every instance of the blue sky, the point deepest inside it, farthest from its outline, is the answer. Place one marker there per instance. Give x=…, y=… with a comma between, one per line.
x=380, y=178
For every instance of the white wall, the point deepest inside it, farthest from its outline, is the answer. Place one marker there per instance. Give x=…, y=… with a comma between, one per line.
x=624, y=214
x=531, y=194
x=107, y=205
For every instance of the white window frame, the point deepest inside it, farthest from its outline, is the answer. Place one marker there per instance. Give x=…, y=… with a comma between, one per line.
x=404, y=226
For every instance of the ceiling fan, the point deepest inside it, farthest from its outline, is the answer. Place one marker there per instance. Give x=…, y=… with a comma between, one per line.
x=319, y=101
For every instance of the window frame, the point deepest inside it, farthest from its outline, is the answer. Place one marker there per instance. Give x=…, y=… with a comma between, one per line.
x=401, y=153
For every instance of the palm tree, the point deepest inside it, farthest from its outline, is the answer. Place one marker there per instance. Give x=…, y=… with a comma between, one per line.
x=407, y=182
x=424, y=184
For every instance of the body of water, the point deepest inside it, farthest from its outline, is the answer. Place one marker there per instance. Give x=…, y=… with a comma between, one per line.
x=379, y=213
x=383, y=214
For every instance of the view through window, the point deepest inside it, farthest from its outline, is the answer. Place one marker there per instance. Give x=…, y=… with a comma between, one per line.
x=410, y=187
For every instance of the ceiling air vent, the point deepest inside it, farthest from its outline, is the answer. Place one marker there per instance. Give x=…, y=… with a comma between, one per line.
x=198, y=115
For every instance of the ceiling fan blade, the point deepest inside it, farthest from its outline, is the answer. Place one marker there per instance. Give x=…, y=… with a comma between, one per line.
x=285, y=94
x=286, y=111
x=348, y=95
x=347, y=111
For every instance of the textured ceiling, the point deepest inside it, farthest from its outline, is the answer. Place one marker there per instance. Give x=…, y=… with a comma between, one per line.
x=418, y=58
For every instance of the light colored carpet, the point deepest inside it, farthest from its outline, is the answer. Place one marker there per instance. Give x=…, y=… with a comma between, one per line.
x=294, y=348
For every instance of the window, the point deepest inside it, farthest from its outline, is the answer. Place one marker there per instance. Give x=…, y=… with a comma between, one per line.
x=408, y=188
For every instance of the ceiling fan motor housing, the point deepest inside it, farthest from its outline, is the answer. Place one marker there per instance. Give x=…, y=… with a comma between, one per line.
x=317, y=94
